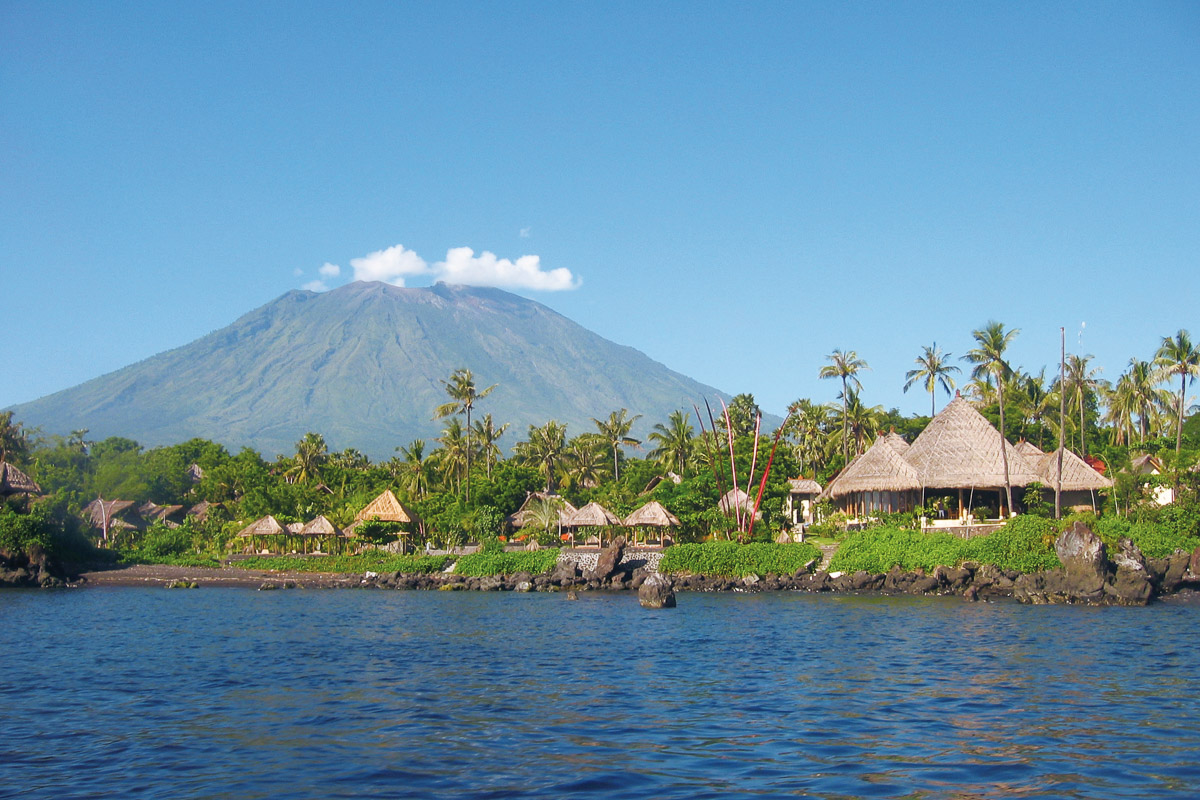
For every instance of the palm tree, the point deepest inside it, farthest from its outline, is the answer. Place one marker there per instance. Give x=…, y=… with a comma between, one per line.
x=455, y=455
x=486, y=435
x=674, y=440
x=311, y=452
x=844, y=365
x=1120, y=409
x=584, y=460
x=860, y=421
x=1080, y=382
x=988, y=357
x=615, y=432
x=461, y=388
x=1178, y=356
x=414, y=470
x=933, y=370
x=808, y=425
x=545, y=449
x=14, y=443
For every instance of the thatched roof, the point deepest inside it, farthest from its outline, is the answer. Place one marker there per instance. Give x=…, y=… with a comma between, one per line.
x=200, y=511
x=387, y=508
x=1145, y=464
x=294, y=528
x=103, y=513
x=960, y=449
x=1077, y=474
x=734, y=499
x=195, y=474
x=592, y=515
x=896, y=441
x=803, y=486
x=13, y=481
x=1028, y=449
x=320, y=526
x=880, y=469
x=653, y=514
x=153, y=512
x=266, y=526
x=519, y=518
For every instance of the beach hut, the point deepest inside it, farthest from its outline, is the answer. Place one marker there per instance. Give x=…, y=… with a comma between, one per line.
x=13, y=481
x=734, y=499
x=111, y=518
x=322, y=534
x=878, y=481
x=652, y=515
x=199, y=512
x=265, y=531
x=801, y=499
x=387, y=508
x=152, y=512
x=1080, y=481
x=593, y=515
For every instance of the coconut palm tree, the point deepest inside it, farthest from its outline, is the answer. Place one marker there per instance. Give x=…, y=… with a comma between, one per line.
x=545, y=449
x=414, y=470
x=463, y=395
x=14, y=443
x=486, y=434
x=615, y=432
x=844, y=365
x=991, y=342
x=933, y=370
x=808, y=425
x=675, y=442
x=311, y=453
x=455, y=455
x=1178, y=356
x=1035, y=402
x=584, y=460
x=860, y=421
x=1080, y=381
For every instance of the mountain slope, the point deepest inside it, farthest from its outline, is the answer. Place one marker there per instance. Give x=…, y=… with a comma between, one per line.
x=362, y=364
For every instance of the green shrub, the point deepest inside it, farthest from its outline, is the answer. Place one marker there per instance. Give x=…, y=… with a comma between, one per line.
x=880, y=549
x=180, y=560
x=377, y=561
x=1025, y=543
x=732, y=560
x=483, y=564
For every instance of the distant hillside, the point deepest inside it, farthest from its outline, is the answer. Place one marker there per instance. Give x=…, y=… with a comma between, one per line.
x=362, y=364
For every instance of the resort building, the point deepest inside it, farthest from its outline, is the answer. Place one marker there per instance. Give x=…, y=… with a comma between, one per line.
x=955, y=466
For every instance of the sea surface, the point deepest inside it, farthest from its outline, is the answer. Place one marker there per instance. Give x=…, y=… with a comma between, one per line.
x=233, y=693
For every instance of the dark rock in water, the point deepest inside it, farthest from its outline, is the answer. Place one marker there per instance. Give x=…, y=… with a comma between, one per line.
x=523, y=586
x=656, y=592
x=1131, y=587
x=1082, y=555
x=1194, y=564
x=971, y=595
x=923, y=584
x=1176, y=572
x=565, y=573
x=491, y=583
x=1087, y=576
x=609, y=558
x=1129, y=556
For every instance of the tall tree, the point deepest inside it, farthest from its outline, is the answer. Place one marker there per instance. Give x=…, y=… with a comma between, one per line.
x=615, y=432
x=584, y=460
x=486, y=435
x=14, y=443
x=991, y=342
x=544, y=449
x=311, y=453
x=844, y=365
x=807, y=426
x=1178, y=356
x=463, y=396
x=1081, y=381
x=414, y=470
x=934, y=370
x=455, y=455
x=675, y=442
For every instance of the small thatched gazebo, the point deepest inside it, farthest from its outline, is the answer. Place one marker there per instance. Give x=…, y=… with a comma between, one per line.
x=1080, y=481
x=152, y=512
x=264, y=530
x=734, y=499
x=14, y=481
x=520, y=517
x=386, y=508
x=593, y=515
x=802, y=495
x=201, y=510
x=652, y=515
x=321, y=531
x=107, y=517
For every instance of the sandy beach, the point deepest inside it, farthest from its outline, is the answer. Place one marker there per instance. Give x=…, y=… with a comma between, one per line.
x=163, y=574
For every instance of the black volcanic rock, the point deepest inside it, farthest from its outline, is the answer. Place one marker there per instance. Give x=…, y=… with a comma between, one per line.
x=361, y=365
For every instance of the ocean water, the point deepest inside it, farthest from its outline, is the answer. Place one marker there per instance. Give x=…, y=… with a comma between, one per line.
x=231, y=693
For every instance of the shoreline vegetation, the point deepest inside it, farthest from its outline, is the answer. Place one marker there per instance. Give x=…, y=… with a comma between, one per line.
x=840, y=497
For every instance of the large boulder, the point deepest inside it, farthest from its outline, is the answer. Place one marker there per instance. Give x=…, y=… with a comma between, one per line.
x=656, y=592
x=610, y=558
x=565, y=573
x=1083, y=558
x=1087, y=576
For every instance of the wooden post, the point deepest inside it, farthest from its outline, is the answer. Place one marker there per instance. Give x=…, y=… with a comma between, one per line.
x=1062, y=420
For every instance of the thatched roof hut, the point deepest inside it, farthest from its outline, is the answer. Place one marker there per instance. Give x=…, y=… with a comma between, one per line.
x=880, y=469
x=804, y=486
x=1077, y=474
x=14, y=481
x=201, y=510
x=106, y=514
x=153, y=512
x=896, y=442
x=294, y=528
x=320, y=526
x=654, y=514
x=1028, y=449
x=593, y=515
x=520, y=517
x=388, y=508
x=264, y=526
x=961, y=450
x=734, y=499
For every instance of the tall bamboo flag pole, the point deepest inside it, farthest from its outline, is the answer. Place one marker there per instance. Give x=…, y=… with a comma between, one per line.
x=1062, y=420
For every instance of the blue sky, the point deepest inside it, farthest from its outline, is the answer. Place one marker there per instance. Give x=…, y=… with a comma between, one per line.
x=735, y=189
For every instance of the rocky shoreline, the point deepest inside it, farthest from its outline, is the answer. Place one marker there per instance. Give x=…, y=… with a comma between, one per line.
x=1088, y=576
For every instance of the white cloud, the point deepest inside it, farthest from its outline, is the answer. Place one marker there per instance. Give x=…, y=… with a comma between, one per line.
x=297, y=272
x=391, y=265
x=328, y=270
x=525, y=232
x=315, y=286
x=463, y=266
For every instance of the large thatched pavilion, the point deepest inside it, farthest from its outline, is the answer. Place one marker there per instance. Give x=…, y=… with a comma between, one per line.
x=957, y=457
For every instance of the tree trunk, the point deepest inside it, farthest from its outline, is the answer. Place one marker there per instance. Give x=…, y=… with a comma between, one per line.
x=1182, y=395
x=1003, y=449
